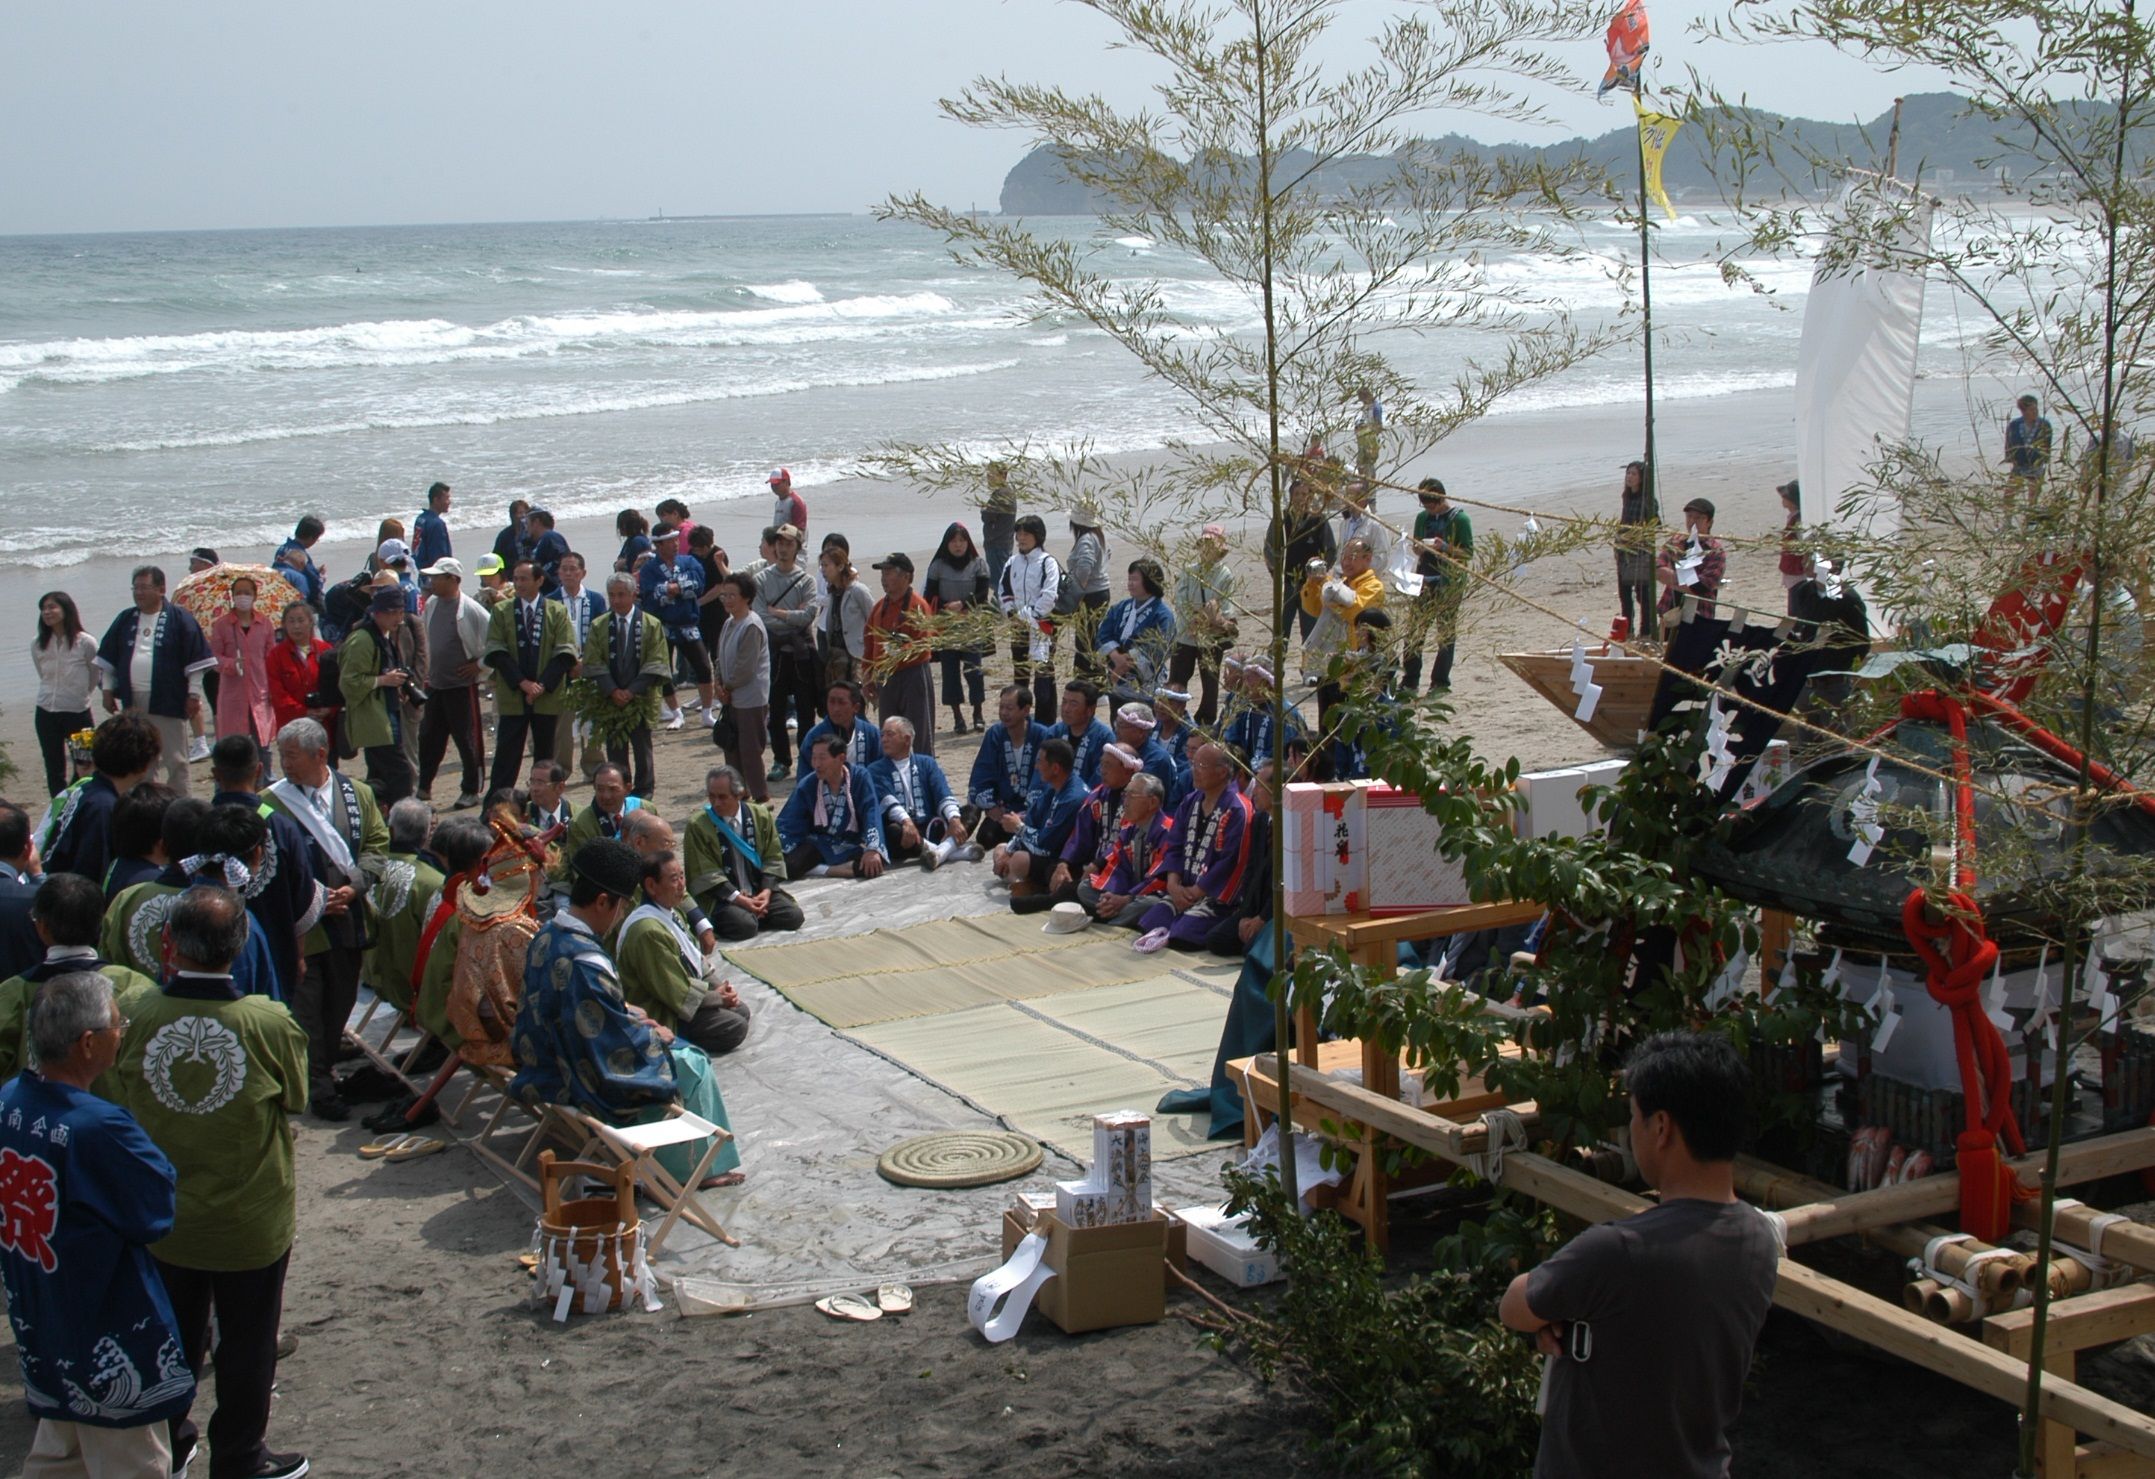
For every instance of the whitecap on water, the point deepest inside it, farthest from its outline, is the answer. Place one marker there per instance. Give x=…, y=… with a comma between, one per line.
x=794, y=290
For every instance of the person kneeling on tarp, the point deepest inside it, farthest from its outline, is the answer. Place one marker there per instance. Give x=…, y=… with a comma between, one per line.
x=579, y=1042
x=921, y=819
x=1088, y=853
x=735, y=861
x=1027, y=860
x=662, y=965
x=1204, y=863
x=831, y=825
x=1124, y=890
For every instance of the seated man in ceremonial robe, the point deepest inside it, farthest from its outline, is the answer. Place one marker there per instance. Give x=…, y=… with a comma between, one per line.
x=1204, y=863
x=735, y=861
x=579, y=1042
x=663, y=967
x=1027, y=861
x=1004, y=777
x=921, y=819
x=831, y=825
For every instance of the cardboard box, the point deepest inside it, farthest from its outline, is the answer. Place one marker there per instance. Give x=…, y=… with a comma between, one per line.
x=1406, y=872
x=1104, y=1276
x=1219, y=1243
x=1326, y=864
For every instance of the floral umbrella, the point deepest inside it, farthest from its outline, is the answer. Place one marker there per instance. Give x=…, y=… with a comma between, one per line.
x=207, y=594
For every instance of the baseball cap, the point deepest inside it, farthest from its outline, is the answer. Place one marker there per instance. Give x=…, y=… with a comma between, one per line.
x=447, y=565
x=394, y=552
x=780, y=478
x=788, y=531
x=491, y=564
x=896, y=560
x=1700, y=506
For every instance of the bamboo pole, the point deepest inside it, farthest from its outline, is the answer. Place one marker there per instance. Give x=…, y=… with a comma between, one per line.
x=1999, y=1278
x=1853, y=1212
x=1282, y=1026
x=1650, y=486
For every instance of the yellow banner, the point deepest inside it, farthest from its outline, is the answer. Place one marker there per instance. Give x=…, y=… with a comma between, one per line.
x=1656, y=130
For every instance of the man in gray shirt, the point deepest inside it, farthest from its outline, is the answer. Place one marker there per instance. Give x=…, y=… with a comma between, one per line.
x=456, y=641
x=1649, y=1321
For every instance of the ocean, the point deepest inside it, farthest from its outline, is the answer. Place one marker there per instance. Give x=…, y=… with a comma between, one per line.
x=162, y=391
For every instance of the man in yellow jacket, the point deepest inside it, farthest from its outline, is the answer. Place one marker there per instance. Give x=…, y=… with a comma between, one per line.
x=1336, y=598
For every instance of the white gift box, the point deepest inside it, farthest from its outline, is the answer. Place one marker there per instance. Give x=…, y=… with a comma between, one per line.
x=1550, y=804
x=1406, y=873
x=1327, y=868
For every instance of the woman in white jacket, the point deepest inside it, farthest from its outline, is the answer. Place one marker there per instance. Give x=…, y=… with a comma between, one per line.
x=1030, y=584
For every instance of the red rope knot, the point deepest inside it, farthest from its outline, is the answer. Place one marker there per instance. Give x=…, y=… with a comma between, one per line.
x=1954, y=976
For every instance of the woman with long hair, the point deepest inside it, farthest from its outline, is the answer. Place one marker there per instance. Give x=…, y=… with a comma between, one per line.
x=385, y=531
x=66, y=660
x=957, y=583
x=1635, y=566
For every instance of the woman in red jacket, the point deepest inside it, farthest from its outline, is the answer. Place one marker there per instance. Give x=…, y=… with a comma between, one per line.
x=295, y=668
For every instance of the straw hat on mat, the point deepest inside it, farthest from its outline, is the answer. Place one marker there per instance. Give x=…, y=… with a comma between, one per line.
x=1066, y=919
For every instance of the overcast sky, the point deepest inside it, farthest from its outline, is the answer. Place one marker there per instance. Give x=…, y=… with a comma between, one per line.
x=145, y=114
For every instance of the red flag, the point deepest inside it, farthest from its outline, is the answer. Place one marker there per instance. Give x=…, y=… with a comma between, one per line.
x=1627, y=48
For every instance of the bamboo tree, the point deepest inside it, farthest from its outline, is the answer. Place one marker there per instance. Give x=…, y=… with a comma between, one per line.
x=1302, y=185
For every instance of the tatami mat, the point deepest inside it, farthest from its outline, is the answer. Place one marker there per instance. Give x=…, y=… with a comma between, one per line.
x=1042, y=1031
x=944, y=965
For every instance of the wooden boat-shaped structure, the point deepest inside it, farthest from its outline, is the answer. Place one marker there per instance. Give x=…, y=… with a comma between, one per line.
x=1627, y=688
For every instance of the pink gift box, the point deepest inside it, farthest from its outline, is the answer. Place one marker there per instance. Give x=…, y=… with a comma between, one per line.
x=1326, y=860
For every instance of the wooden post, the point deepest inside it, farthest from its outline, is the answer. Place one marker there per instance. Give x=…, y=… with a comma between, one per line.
x=2075, y=1325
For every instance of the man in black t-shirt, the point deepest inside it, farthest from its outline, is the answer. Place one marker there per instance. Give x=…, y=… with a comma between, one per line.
x=1649, y=1322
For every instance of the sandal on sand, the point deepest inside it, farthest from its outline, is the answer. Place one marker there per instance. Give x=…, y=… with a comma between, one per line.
x=415, y=1146
x=374, y=1150
x=895, y=1299
x=848, y=1307
x=1149, y=942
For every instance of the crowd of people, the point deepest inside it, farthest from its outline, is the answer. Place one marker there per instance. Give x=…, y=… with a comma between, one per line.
x=182, y=970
